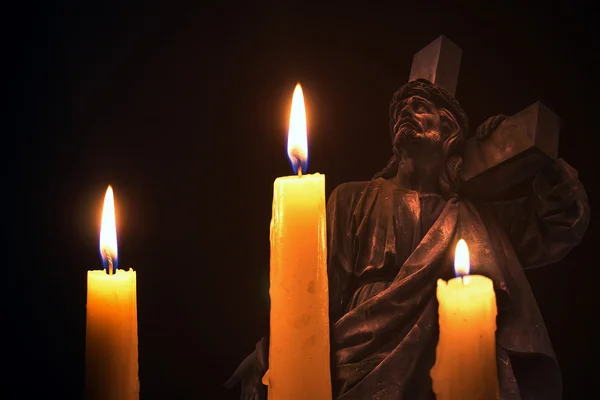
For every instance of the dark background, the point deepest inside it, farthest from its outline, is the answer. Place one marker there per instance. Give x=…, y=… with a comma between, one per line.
x=184, y=108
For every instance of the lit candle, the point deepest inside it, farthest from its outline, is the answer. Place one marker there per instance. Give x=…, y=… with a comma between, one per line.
x=111, y=342
x=465, y=366
x=299, y=340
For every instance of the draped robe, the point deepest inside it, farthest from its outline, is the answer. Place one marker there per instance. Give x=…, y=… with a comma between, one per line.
x=387, y=247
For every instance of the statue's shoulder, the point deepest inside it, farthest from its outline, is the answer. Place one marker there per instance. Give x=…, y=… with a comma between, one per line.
x=350, y=189
x=358, y=197
x=351, y=192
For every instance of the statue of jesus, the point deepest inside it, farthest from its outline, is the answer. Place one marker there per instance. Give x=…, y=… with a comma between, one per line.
x=391, y=238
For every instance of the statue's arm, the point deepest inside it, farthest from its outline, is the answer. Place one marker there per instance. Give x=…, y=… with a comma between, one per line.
x=339, y=248
x=546, y=225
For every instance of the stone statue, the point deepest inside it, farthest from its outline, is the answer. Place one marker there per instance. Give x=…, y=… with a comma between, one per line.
x=391, y=238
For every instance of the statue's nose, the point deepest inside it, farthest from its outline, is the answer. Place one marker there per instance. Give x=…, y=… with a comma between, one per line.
x=407, y=111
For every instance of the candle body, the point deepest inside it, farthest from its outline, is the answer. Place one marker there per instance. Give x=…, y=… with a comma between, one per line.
x=299, y=355
x=111, y=340
x=465, y=366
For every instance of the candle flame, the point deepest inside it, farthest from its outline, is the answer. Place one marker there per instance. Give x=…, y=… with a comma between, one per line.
x=108, y=233
x=462, y=265
x=297, y=146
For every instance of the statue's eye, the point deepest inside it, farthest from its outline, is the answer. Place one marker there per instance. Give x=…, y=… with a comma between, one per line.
x=421, y=109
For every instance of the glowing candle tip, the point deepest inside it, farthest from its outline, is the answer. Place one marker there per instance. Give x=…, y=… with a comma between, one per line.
x=297, y=145
x=108, y=234
x=461, y=259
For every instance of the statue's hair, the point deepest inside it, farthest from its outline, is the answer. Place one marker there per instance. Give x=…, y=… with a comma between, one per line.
x=453, y=146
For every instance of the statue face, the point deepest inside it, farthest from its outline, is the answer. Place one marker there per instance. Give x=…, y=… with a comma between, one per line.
x=419, y=119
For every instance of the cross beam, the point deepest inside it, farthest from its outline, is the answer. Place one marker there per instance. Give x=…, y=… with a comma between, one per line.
x=439, y=63
x=513, y=153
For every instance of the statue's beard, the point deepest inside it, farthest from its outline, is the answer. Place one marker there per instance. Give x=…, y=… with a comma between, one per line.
x=410, y=132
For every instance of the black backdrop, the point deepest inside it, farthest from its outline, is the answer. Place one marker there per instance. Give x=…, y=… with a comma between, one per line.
x=183, y=109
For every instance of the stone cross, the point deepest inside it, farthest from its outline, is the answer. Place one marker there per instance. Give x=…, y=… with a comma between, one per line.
x=514, y=152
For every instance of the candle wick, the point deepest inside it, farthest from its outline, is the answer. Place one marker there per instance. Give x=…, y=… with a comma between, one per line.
x=300, y=171
x=109, y=261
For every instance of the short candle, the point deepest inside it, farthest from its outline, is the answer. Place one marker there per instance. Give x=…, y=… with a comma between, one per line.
x=465, y=366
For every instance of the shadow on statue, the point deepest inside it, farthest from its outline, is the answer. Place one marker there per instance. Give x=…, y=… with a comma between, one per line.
x=391, y=238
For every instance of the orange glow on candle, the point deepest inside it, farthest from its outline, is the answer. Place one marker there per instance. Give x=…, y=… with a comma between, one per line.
x=465, y=365
x=111, y=339
x=299, y=349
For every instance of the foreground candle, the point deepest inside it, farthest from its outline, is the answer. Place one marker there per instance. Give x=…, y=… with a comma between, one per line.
x=299, y=340
x=111, y=342
x=465, y=366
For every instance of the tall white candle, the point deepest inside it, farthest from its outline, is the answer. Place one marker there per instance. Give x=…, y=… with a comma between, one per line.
x=111, y=340
x=299, y=340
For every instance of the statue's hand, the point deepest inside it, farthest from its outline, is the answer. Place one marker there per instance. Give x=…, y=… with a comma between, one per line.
x=252, y=386
x=559, y=178
x=489, y=125
x=250, y=374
